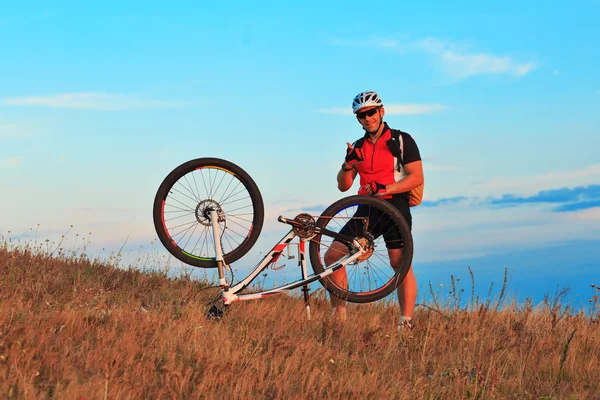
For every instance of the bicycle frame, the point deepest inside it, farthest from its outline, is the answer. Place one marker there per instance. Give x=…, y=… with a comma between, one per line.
x=230, y=294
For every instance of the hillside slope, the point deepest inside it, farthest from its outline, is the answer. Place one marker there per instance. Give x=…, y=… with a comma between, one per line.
x=71, y=328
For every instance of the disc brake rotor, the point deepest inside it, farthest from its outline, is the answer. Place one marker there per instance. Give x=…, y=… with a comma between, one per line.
x=203, y=212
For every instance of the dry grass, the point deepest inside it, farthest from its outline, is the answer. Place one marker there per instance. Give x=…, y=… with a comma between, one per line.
x=71, y=328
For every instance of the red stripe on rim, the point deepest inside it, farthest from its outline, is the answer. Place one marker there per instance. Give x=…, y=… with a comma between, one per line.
x=162, y=217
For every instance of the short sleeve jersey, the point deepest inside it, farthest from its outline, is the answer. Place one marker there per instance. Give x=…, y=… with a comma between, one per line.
x=379, y=164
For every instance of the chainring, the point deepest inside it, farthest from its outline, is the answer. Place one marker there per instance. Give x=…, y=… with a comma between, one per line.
x=307, y=228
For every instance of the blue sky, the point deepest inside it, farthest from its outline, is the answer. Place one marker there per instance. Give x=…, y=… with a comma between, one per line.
x=98, y=102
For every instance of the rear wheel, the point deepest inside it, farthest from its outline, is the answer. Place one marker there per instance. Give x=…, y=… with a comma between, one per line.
x=183, y=202
x=370, y=221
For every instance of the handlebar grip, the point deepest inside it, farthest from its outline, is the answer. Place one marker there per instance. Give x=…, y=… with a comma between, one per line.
x=281, y=219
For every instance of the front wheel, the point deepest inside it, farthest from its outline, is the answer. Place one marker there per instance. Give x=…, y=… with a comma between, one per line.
x=380, y=229
x=182, y=207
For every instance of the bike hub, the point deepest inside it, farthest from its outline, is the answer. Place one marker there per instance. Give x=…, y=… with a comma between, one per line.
x=203, y=212
x=367, y=245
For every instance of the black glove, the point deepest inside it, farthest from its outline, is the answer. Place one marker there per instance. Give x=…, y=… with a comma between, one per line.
x=353, y=157
x=375, y=188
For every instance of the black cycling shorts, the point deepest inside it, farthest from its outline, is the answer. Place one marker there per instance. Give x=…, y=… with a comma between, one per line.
x=379, y=224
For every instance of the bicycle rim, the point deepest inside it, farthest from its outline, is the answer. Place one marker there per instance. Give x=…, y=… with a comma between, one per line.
x=371, y=277
x=181, y=210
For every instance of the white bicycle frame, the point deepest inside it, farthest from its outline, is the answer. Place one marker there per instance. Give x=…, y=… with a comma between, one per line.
x=230, y=294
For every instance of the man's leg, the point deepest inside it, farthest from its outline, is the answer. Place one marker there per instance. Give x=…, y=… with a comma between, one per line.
x=407, y=290
x=407, y=294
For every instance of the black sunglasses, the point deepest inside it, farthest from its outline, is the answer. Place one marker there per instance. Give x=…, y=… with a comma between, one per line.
x=368, y=113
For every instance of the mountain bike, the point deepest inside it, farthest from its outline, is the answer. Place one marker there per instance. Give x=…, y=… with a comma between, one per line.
x=209, y=212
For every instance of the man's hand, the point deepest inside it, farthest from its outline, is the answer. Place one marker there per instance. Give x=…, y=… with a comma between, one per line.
x=375, y=188
x=353, y=157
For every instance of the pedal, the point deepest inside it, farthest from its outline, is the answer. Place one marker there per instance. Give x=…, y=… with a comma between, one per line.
x=215, y=313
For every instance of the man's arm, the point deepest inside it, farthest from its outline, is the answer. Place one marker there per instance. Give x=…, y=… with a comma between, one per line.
x=345, y=179
x=348, y=172
x=413, y=178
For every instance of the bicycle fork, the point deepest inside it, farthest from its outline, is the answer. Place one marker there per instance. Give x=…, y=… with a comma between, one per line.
x=218, y=251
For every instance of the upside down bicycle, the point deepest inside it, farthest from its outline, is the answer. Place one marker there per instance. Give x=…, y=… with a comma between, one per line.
x=209, y=212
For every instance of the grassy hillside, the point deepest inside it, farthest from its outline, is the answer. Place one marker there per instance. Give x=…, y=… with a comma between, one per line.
x=71, y=328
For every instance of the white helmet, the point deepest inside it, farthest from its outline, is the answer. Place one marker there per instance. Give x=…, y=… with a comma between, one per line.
x=366, y=99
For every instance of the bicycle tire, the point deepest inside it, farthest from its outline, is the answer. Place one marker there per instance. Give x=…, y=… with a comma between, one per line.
x=362, y=275
x=180, y=208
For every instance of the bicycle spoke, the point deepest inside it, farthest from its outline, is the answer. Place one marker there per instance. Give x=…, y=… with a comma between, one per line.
x=188, y=187
x=226, y=238
x=226, y=196
x=204, y=235
x=190, y=237
x=235, y=234
x=185, y=231
x=188, y=214
x=173, y=198
x=238, y=224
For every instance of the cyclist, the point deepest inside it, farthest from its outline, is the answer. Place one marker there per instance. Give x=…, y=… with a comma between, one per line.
x=374, y=164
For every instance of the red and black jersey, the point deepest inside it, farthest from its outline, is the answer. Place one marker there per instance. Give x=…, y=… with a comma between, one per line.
x=379, y=164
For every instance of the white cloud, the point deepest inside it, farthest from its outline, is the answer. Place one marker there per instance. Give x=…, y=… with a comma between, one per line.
x=454, y=58
x=465, y=65
x=90, y=101
x=11, y=161
x=460, y=63
x=392, y=109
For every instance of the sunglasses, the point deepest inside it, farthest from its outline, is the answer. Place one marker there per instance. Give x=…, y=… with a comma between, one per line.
x=368, y=113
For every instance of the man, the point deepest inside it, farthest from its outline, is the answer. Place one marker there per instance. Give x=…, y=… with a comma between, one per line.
x=375, y=166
